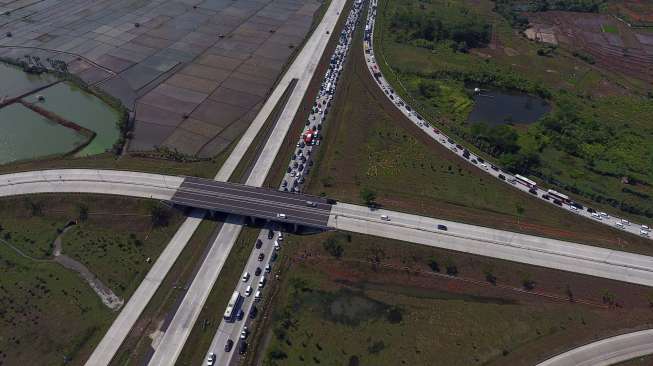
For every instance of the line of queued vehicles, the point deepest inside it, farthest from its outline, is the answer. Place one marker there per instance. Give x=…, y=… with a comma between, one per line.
x=301, y=162
x=299, y=167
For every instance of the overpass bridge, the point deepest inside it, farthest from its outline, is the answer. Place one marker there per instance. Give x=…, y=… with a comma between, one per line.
x=256, y=202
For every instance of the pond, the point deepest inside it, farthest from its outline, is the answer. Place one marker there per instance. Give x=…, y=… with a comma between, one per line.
x=26, y=134
x=501, y=107
x=86, y=110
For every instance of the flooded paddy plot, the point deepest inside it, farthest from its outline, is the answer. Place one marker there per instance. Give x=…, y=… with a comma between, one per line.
x=168, y=61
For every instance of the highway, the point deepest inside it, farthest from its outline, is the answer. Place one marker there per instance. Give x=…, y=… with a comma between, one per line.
x=231, y=330
x=473, y=159
x=609, y=351
x=550, y=253
x=253, y=201
x=302, y=69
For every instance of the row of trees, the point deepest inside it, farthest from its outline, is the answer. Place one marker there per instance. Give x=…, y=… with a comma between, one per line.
x=513, y=10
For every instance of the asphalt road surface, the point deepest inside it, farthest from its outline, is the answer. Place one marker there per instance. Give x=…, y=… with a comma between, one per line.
x=549, y=253
x=609, y=351
x=472, y=159
x=302, y=69
x=251, y=201
x=232, y=329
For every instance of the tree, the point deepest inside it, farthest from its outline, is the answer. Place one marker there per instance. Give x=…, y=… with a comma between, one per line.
x=333, y=247
x=82, y=211
x=490, y=277
x=528, y=283
x=368, y=196
x=159, y=215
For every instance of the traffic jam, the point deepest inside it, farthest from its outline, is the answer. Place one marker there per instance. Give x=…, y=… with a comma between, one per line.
x=515, y=180
x=301, y=160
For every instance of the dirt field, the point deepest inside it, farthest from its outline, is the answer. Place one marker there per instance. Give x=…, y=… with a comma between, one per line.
x=611, y=43
x=387, y=303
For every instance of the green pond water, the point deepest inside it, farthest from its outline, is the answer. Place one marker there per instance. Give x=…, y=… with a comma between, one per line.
x=25, y=134
x=86, y=110
x=15, y=82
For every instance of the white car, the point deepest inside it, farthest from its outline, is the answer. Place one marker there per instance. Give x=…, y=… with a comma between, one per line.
x=281, y=216
x=248, y=291
x=385, y=218
x=596, y=216
x=210, y=359
x=276, y=245
x=244, y=332
x=643, y=232
x=644, y=227
x=280, y=237
x=258, y=295
x=268, y=268
x=245, y=276
x=603, y=214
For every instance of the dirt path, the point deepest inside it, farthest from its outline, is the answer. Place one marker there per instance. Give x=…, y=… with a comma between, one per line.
x=111, y=300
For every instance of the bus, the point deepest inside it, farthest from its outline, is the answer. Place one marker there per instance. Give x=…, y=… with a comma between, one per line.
x=525, y=181
x=558, y=195
x=232, y=306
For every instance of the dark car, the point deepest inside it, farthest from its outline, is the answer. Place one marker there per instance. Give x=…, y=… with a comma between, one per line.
x=591, y=210
x=557, y=202
x=257, y=271
x=270, y=234
x=459, y=147
x=252, y=312
x=480, y=160
x=229, y=345
x=442, y=227
x=240, y=314
x=242, y=348
x=450, y=141
x=502, y=177
x=289, y=170
x=273, y=257
x=533, y=191
x=259, y=243
x=545, y=196
x=494, y=167
x=260, y=257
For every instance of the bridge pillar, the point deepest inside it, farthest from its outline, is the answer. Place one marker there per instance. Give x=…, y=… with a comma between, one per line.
x=295, y=228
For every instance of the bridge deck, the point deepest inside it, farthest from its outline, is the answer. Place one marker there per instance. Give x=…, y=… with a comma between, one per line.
x=257, y=202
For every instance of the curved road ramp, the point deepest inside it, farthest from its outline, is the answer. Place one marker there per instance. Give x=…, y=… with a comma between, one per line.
x=609, y=351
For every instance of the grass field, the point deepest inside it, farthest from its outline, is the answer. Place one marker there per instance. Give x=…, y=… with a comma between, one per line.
x=382, y=303
x=593, y=146
x=48, y=311
x=368, y=144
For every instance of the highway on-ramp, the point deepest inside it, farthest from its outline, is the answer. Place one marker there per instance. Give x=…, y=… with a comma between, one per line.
x=609, y=351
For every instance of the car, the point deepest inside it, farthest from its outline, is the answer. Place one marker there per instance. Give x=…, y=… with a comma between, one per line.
x=533, y=191
x=258, y=295
x=248, y=291
x=261, y=256
x=644, y=227
x=280, y=237
x=228, y=345
x=242, y=348
x=442, y=227
x=273, y=257
x=385, y=218
x=240, y=315
x=284, y=183
x=288, y=170
x=268, y=268
x=259, y=243
x=244, y=333
x=596, y=216
x=591, y=210
x=494, y=167
x=293, y=173
x=643, y=233
x=276, y=245
x=311, y=204
x=484, y=166
x=245, y=276
x=295, y=164
x=573, y=208
x=619, y=225
x=210, y=359
x=252, y=312
x=558, y=202
x=502, y=177
x=281, y=216
x=270, y=234
x=258, y=271
x=603, y=214
x=546, y=197
x=625, y=222
x=474, y=161
x=261, y=282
